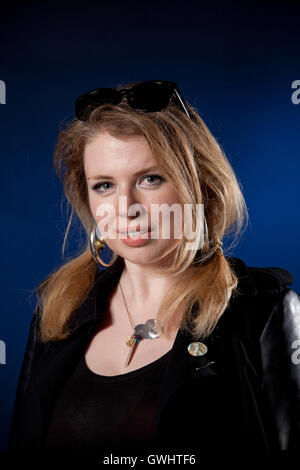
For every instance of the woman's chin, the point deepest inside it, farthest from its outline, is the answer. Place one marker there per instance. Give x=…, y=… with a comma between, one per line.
x=148, y=253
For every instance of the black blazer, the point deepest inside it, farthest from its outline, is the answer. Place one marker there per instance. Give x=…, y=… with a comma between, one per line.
x=243, y=393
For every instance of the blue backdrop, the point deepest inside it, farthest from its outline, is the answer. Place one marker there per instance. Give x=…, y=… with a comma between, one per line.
x=235, y=62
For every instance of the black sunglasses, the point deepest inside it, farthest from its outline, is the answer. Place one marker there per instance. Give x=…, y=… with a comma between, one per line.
x=150, y=96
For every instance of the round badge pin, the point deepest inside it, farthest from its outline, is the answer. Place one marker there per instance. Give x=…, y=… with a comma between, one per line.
x=197, y=349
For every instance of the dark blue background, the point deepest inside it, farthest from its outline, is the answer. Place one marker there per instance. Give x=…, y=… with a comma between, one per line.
x=234, y=61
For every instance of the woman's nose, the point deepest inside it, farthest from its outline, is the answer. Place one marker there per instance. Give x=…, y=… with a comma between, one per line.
x=126, y=204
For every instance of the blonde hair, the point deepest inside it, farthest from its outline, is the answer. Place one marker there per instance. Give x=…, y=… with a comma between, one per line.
x=193, y=160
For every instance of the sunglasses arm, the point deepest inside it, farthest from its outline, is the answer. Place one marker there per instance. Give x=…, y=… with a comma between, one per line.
x=182, y=103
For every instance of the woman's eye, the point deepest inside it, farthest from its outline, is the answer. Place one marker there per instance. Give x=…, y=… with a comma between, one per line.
x=160, y=178
x=98, y=185
x=101, y=185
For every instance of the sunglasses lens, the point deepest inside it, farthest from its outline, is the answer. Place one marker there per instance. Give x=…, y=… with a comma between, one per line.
x=150, y=97
x=86, y=103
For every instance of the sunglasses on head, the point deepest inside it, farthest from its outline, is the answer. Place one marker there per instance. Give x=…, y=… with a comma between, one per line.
x=150, y=96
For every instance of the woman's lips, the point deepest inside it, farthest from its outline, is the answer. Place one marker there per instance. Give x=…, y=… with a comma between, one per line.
x=135, y=235
x=135, y=238
x=137, y=230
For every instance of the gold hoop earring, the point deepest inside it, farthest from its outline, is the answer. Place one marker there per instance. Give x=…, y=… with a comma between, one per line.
x=97, y=244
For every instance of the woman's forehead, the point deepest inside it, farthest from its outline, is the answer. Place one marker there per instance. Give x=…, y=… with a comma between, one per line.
x=107, y=154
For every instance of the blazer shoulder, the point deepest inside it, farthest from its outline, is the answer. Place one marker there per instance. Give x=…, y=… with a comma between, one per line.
x=261, y=281
x=270, y=280
x=30, y=355
x=260, y=290
x=264, y=310
x=280, y=363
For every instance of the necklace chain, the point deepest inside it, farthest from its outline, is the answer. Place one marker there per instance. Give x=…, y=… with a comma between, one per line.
x=130, y=317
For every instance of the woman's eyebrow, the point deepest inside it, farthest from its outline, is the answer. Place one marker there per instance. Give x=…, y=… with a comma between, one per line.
x=152, y=168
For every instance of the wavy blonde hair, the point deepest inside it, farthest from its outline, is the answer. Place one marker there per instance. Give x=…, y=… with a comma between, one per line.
x=193, y=160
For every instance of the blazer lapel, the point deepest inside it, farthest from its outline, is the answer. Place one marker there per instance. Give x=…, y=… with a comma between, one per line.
x=182, y=367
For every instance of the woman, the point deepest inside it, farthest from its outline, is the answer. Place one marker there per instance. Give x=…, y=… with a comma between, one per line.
x=171, y=343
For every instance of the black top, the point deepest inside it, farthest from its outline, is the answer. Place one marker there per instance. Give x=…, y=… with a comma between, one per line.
x=102, y=412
